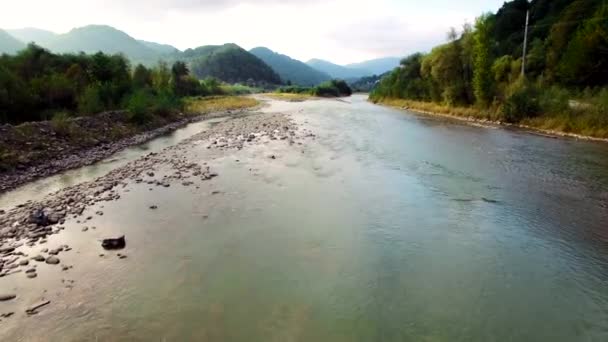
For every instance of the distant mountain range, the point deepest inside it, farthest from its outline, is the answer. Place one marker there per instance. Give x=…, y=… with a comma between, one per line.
x=227, y=62
x=9, y=44
x=377, y=66
x=289, y=69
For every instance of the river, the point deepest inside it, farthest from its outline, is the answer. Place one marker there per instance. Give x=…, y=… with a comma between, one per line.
x=389, y=226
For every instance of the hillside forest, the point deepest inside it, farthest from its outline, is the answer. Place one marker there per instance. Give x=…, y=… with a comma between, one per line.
x=480, y=70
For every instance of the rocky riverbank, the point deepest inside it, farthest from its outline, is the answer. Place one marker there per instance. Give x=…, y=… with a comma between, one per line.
x=25, y=230
x=40, y=149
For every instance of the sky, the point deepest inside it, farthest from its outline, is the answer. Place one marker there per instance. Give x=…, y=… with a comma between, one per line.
x=341, y=31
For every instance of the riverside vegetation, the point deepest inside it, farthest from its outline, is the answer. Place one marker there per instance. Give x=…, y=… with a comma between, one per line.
x=478, y=73
x=50, y=105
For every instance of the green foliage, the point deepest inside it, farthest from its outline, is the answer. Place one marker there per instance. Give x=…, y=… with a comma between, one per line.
x=35, y=83
x=211, y=86
x=333, y=88
x=142, y=77
x=294, y=89
x=90, y=101
x=522, y=102
x=139, y=107
x=61, y=123
x=482, y=76
x=482, y=65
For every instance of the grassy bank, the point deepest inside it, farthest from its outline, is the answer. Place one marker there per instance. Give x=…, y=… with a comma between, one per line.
x=578, y=122
x=291, y=97
x=205, y=105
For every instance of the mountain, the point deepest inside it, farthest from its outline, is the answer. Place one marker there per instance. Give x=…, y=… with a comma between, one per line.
x=9, y=44
x=30, y=34
x=95, y=38
x=290, y=69
x=377, y=66
x=163, y=49
x=229, y=63
x=338, y=71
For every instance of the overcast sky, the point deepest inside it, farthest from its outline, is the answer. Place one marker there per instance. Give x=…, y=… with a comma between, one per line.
x=342, y=31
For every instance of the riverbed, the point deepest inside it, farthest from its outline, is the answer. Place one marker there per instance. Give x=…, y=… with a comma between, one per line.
x=372, y=224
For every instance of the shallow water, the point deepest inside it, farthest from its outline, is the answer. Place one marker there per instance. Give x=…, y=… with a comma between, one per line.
x=388, y=227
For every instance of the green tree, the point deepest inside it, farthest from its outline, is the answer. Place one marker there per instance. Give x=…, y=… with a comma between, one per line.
x=142, y=77
x=482, y=77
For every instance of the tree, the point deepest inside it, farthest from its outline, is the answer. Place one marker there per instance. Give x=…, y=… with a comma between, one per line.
x=482, y=77
x=142, y=77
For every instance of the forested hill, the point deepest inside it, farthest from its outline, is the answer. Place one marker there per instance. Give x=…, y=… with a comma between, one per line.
x=94, y=38
x=229, y=63
x=567, y=59
x=289, y=69
x=8, y=44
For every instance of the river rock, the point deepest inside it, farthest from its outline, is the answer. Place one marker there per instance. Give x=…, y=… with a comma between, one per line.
x=52, y=260
x=114, y=243
x=7, y=296
x=31, y=275
x=38, y=258
x=23, y=262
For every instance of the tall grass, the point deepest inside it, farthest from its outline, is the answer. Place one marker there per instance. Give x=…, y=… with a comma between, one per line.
x=205, y=105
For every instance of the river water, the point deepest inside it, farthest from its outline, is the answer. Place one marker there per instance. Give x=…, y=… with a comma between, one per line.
x=388, y=227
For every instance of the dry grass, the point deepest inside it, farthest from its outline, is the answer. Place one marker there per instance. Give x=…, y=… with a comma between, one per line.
x=205, y=105
x=469, y=113
x=579, y=125
x=289, y=97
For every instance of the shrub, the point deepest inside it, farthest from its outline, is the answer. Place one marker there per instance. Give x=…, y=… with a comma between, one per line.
x=554, y=100
x=61, y=123
x=139, y=105
x=522, y=102
x=90, y=102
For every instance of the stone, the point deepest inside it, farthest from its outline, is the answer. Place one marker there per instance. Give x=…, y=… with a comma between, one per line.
x=24, y=262
x=114, y=243
x=153, y=207
x=31, y=275
x=52, y=260
x=38, y=258
x=7, y=296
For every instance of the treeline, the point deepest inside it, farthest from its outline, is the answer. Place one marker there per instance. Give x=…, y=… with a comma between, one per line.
x=332, y=88
x=36, y=84
x=566, y=67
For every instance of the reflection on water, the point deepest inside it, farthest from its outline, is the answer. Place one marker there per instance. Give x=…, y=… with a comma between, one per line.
x=389, y=227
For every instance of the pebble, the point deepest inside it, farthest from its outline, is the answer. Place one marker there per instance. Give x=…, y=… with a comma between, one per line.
x=31, y=275
x=7, y=296
x=52, y=260
x=38, y=258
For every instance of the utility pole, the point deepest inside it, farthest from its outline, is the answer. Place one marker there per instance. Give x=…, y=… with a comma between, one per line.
x=523, y=60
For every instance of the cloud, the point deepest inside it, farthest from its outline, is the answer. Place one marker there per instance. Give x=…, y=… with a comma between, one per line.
x=391, y=35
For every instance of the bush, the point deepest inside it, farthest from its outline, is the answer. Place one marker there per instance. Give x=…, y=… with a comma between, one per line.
x=90, y=101
x=139, y=106
x=554, y=101
x=61, y=123
x=335, y=88
x=521, y=103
